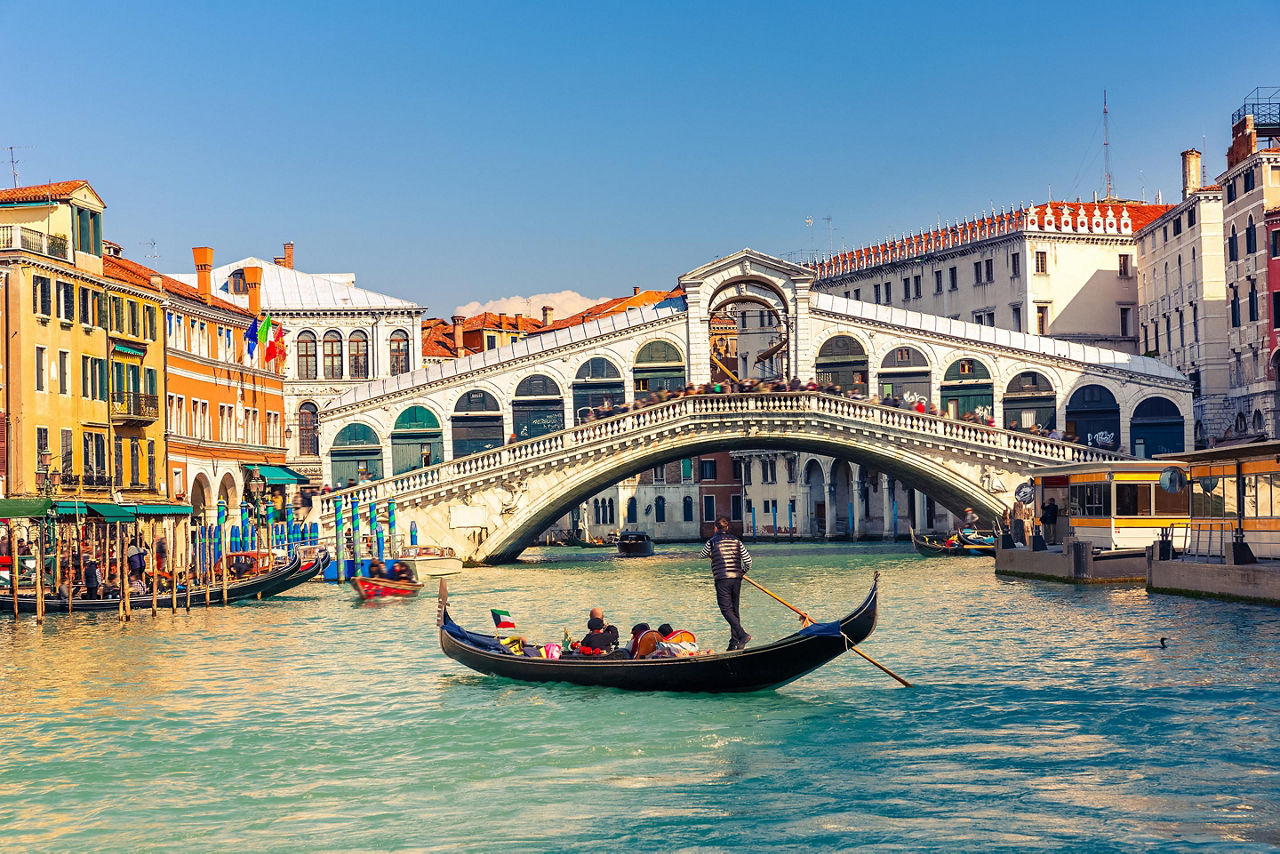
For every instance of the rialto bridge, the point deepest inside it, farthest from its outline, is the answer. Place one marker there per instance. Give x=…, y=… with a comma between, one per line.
x=507, y=449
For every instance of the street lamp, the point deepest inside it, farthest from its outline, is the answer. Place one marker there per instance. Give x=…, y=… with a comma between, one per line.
x=47, y=479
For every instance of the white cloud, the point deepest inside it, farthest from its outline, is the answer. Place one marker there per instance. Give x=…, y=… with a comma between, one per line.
x=564, y=303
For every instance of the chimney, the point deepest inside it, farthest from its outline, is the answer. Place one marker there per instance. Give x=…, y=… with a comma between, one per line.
x=548, y=315
x=458, y=320
x=203, y=256
x=635, y=290
x=253, y=284
x=1190, y=172
x=502, y=320
x=157, y=282
x=519, y=317
x=288, y=255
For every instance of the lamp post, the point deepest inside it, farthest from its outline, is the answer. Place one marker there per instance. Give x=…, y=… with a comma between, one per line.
x=257, y=487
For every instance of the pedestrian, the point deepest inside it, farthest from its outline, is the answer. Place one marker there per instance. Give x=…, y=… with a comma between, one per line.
x=1049, y=521
x=1020, y=514
x=730, y=561
x=970, y=518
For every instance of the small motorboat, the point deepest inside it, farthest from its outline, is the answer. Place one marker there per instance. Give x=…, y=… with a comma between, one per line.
x=429, y=561
x=635, y=544
x=384, y=588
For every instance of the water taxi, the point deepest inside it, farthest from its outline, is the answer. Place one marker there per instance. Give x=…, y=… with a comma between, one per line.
x=430, y=561
x=635, y=544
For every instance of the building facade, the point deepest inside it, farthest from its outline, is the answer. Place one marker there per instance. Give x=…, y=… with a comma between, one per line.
x=1251, y=187
x=1183, y=314
x=337, y=336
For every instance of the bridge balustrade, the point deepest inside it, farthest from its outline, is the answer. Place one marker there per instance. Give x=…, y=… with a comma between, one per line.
x=635, y=425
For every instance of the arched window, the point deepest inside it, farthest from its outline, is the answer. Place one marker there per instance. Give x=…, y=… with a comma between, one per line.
x=659, y=509
x=308, y=437
x=1250, y=238
x=609, y=507
x=631, y=510
x=1257, y=419
x=688, y=508
x=356, y=455
x=359, y=349
x=1233, y=252
x=842, y=361
x=333, y=355
x=1241, y=424
x=595, y=503
x=399, y=352
x=306, y=355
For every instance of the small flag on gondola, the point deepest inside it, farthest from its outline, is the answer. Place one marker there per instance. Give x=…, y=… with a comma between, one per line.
x=502, y=619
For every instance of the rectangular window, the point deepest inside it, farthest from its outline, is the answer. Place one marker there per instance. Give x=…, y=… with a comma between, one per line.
x=1017, y=317
x=1191, y=216
x=1042, y=262
x=952, y=280
x=857, y=293
x=119, y=461
x=1253, y=305
x=151, y=464
x=135, y=462
x=915, y=287
x=1125, y=268
x=877, y=292
x=1231, y=190
x=134, y=329
x=977, y=272
x=150, y=315
x=42, y=441
x=64, y=370
x=906, y=289
x=706, y=469
x=1177, y=226
x=659, y=474
x=68, y=450
x=937, y=281
x=888, y=292
x=1124, y=321
x=490, y=342
x=989, y=269
x=1015, y=264
x=66, y=294
x=1248, y=179
x=41, y=296
x=735, y=507
x=1042, y=320
x=41, y=369
x=708, y=508
x=1275, y=243
x=686, y=471
x=86, y=377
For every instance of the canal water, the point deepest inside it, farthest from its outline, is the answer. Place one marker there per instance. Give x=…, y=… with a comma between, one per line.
x=1045, y=717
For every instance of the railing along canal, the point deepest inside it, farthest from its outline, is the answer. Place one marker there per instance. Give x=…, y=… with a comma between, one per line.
x=634, y=425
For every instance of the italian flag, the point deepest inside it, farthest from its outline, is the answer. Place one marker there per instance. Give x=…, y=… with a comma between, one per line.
x=502, y=619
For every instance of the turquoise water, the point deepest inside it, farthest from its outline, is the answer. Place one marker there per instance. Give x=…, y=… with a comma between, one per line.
x=1045, y=717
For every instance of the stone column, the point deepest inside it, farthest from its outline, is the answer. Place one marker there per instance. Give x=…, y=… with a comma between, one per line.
x=699, y=359
x=923, y=522
x=886, y=502
x=855, y=524
x=831, y=502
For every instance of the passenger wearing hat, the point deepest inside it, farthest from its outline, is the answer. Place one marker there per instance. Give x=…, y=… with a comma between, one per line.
x=600, y=636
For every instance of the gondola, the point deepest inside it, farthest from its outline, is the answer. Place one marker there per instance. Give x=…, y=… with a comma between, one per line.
x=931, y=546
x=254, y=587
x=384, y=588
x=754, y=669
x=981, y=543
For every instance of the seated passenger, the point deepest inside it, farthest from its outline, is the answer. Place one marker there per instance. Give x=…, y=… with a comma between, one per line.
x=597, y=613
x=241, y=565
x=111, y=589
x=636, y=631
x=376, y=569
x=598, y=639
x=136, y=587
x=401, y=571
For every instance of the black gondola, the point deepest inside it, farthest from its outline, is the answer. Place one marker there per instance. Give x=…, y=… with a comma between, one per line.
x=957, y=545
x=755, y=669
x=256, y=587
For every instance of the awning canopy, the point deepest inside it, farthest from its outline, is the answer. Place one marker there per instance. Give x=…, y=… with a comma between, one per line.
x=111, y=512
x=71, y=508
x=24, y=508
x=128, y=351
x=277, y=475
x=162, y=509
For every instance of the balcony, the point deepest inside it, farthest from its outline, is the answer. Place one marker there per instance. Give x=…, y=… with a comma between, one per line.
x=30, y=240
x=135, y=407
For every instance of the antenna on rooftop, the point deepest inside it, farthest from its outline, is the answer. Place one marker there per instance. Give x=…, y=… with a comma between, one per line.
x=13, y=161
x=151, y=243
x=1106, y=143
x=808, y=223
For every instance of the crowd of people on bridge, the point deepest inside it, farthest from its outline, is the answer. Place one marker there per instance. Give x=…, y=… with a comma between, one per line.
x=778, y=386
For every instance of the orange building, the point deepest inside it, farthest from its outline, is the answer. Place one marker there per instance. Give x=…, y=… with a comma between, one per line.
x=223, y=405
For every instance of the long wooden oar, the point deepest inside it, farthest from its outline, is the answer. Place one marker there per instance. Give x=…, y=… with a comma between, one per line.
x=806, y=620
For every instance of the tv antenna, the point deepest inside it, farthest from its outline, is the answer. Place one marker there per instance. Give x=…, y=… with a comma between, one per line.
x=152, y=244
x=13, y=161
x=808, y=223
x=1106, y=143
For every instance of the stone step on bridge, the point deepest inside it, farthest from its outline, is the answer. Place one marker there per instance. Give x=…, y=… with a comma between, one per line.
x=490, y=506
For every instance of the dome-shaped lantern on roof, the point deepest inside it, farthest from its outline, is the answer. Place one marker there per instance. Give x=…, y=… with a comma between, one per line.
x=1126, y=224
x=1111, y=225
x=1097, y=219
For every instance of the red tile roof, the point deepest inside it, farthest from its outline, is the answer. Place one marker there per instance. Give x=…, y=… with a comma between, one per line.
x=506, y=322
x=41, y=192
x=613, y=306
x=124, y=270
x=437, y=340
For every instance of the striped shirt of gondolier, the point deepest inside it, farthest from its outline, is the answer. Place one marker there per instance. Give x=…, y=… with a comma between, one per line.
x=729, y=557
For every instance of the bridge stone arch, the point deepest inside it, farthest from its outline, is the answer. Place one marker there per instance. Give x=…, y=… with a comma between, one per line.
x=754, y=288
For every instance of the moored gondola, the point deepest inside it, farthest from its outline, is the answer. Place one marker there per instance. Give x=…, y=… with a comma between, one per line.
x=931, y=546
x=754, y=669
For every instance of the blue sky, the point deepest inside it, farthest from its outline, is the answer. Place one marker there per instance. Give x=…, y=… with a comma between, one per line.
x=470, y=151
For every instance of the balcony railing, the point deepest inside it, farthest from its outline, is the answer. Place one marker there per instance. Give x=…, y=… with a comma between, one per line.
x=135, y=405
x=30, y=240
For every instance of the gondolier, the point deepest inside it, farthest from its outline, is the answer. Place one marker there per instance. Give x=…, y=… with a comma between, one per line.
x=730, y=560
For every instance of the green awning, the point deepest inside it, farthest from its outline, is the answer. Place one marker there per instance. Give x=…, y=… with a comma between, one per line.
x=162, y=509
x=129, y=351
x=111, y=512
x=71, y=508
x=24, y=508
x=277, y=475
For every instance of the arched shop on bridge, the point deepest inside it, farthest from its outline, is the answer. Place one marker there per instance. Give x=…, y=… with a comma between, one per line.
x=904, y=373
x=842, y=361
x=537, y=408
x=416, y=440
x=966, y=387
x=476, y=423
x=1156, y=428
x=356, y=455
x=1029, y=401
x=659, y=365
x=597, y=384
x=1094, y=416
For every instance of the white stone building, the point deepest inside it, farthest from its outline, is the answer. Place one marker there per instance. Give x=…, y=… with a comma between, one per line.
x=338, y=336
x=1183, y=312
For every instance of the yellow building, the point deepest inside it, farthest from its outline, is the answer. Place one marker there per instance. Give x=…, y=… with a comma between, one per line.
x=57, y=383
